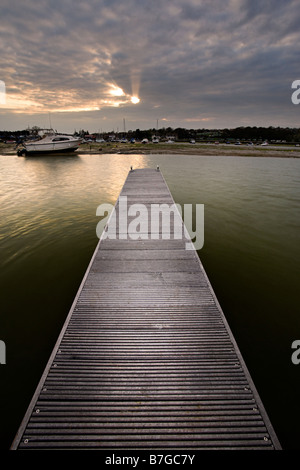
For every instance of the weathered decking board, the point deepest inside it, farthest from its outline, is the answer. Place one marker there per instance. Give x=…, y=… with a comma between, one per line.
x=146, y=359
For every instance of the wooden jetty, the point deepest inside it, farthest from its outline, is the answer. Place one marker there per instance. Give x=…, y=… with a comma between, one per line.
x=146, y=359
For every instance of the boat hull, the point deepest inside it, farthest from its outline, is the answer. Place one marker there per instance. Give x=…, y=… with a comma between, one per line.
x=51, y=147
x=49, y=152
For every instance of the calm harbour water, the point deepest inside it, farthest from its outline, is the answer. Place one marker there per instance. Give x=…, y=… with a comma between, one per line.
x=251, y=254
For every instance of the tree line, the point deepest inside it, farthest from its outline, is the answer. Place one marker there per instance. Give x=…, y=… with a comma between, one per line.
x=279, y=134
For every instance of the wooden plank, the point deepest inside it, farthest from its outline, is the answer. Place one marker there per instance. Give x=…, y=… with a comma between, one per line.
x=146, y=358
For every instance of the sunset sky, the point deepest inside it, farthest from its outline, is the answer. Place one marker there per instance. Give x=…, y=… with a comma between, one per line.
x=175, y=63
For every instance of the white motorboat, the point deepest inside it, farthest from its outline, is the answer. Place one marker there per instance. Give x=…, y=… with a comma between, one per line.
x=50, y=143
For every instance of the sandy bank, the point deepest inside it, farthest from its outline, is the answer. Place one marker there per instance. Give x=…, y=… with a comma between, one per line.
x=177, y=149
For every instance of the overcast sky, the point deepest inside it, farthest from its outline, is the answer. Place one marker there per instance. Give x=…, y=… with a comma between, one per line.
x=192, y=63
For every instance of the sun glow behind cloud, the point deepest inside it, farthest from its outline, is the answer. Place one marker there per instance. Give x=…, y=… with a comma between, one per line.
x=119, y=92
x=116, y=91
x=135, y=100
x=32, y=100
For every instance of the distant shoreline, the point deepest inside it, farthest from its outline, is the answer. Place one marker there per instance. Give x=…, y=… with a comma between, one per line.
x=175, y=149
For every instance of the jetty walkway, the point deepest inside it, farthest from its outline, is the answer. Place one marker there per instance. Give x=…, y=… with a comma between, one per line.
x=146, y=359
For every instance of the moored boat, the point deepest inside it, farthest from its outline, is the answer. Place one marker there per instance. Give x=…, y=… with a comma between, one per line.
x=50, y=142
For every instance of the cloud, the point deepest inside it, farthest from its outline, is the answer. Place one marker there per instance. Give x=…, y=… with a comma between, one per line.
x=200, y=61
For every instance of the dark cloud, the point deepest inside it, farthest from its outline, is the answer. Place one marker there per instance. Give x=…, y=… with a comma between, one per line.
x=209, y=63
